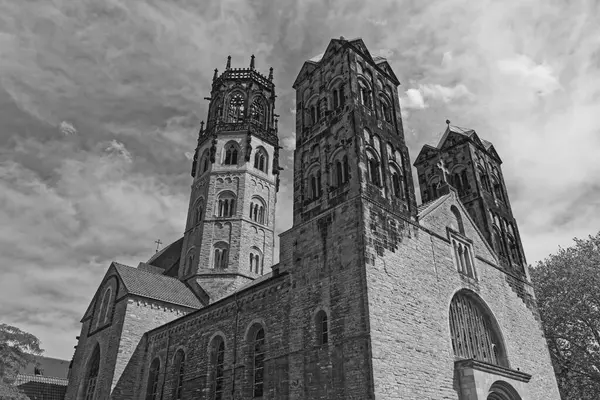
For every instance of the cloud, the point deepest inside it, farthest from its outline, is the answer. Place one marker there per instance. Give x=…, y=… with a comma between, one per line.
x=117, y=148
x=289, y=142
x=443, y=93
x=413, y=100
x=67, y=128
x=539, y=77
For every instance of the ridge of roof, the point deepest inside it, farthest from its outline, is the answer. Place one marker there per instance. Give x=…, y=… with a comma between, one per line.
x=155, y=286
x=430, y=205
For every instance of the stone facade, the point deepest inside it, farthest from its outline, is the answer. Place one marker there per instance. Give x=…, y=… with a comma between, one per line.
x=373, y=297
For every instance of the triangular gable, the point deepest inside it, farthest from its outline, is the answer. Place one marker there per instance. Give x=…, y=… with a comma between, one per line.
x=426, y=153
x=110, y=272
x=477, y=141
x=430, y=218
x=360, y=46
x=451, y=139
x=332, y=48
x=494, y=154
x=387, y=69
x=306, y=69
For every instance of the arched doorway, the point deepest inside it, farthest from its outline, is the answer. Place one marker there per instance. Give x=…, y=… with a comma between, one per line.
x=501, y=390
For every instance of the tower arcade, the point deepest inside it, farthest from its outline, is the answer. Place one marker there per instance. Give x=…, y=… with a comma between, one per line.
x=229, y=233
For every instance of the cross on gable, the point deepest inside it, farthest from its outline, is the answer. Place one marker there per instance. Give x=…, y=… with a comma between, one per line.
x=158, y=243
x=442, y=166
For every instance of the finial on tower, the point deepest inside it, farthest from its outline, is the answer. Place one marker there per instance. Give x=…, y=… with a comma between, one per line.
x=448, y=122
x=215, y=75
x=201, y=126
x=271, y=73
x=228, y=66
x=252, y=62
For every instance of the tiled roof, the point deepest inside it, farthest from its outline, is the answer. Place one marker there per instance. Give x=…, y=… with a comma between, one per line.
x=425, y=206
x=49, y=366
x=158, y=287
x=42, y=387
x=167, y=256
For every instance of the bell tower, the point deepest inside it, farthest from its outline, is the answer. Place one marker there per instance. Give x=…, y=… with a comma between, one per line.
x=229, y=235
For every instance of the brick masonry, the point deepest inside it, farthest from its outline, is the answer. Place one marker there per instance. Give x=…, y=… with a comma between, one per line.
x=382, y=274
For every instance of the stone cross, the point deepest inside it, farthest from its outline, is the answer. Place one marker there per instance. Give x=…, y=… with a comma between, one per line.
x=442, y=166
x=158, y=243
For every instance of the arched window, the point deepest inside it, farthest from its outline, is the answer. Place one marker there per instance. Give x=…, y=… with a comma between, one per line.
x=322, y=328
x=198, y=210
x=190, y=261
x=92, y=374
x=257, y=210
x=463, y=257
x=373, y=169
x=257, y=111
x=258, y=362
x=261, y=159
x=397, y=182
x=336, y=98
x=231, y=154
x=178, y=371
x=459, y=222
x=226, y=205
x=218, y=364
x=386, y=114
x=474, y=330
x=235, y=111
x=256, y=261
x=314, y=183
x=204, y=161
x=340, y=174
x=515, y=256
x=365, y=93
x=498, y=243
x=485, y=180
x=105, y=307
x=313, y=115
x=459, y=180
x=152, y=387
x=221, y=255
x=433, y=187
x=498, y=190
x=322, y=108
x=501, y=390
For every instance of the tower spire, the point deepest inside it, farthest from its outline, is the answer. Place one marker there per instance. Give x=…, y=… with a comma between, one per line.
x=228, y=66
x=271, y=73
x=215, y=75
x=252, y=62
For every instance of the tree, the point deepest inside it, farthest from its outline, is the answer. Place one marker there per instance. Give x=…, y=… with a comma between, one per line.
x=566, y=286
x=17, y=349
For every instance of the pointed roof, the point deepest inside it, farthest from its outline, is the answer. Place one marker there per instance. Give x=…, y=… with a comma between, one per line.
x=449, y=138
x=359, y=46
x=166, y=257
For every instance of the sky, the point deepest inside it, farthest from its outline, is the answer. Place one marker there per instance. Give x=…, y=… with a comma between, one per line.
x=101, y=100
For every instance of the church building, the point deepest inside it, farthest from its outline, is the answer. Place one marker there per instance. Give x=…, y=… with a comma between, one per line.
x=374, y=296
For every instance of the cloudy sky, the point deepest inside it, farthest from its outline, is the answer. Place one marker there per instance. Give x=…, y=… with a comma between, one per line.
x=100, y=102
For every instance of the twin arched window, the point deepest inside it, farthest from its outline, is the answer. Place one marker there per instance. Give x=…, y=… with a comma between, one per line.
x=261, y=160
x=221, y=255
x=226, y=205
x=459, y=180
x=374, y=168
x=257, y=210
x=338, y=97
x=397, y=182
x=178, y=370
x=198, y=210
x=474, y=330
x=314, y=183
x=386, y=110
x=256, y=261
x=152, y=391
x=204, y=162
x=365, y=94
x=91, y=379
x=231, y=154
x=341, y=172
x=257, y=111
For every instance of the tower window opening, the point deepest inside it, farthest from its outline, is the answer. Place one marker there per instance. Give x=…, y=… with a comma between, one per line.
x=340, y=171
x=256, y=262
x=204, y=161
x=322, y=108
x=499, y=243
x=258, y=361
x=257, y=111
x=198, y=210
x=397, y=183
x=374, y=169
x=463, y=257
x=221, y=256
x=365, y=95
x=459, y=181
x=336, y=99
x=313, y=115
x=257, y=210
x=498, y=191
x=236, y=108
x=314, y=184
x=260, y=160
x=385, y=109
x=231, y=154
x=226, y=207
x=322, y=328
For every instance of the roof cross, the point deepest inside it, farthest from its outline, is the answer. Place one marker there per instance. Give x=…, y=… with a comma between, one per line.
x=442, y=166
x=158, y=243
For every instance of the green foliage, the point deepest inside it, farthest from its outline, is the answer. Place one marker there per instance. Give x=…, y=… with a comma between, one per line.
x=567, y=290
x=17, y=348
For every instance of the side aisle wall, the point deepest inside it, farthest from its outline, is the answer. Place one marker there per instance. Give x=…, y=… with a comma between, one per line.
x=411, y=280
